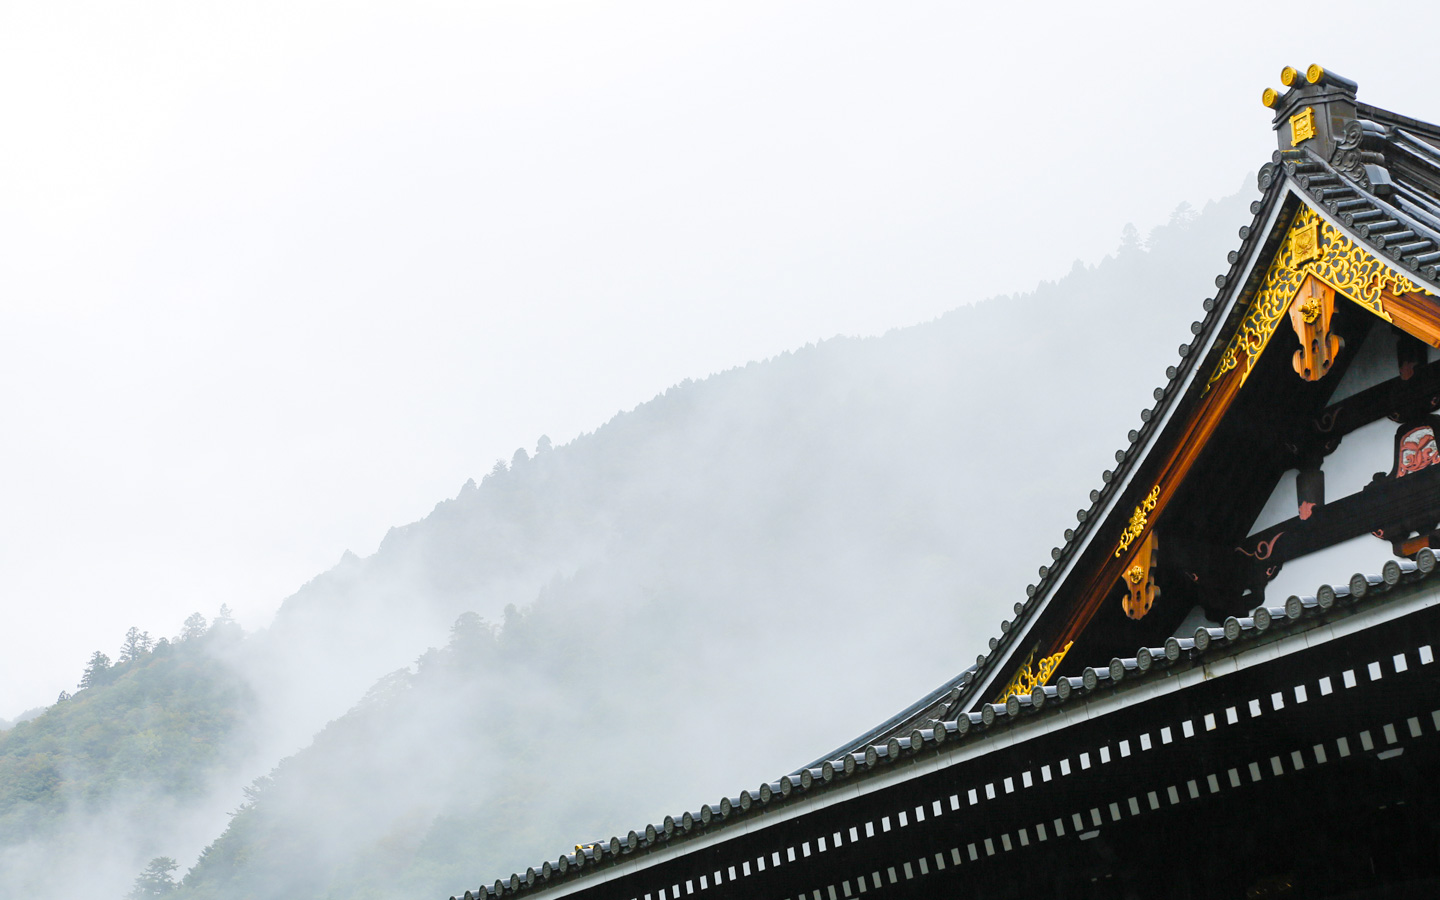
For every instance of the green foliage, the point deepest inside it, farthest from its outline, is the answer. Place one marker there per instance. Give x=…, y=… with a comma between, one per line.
x=97, y=671
x=155, y=881
x=151, y=728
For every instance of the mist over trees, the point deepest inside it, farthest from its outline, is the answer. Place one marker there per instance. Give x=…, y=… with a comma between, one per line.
x=704, y=593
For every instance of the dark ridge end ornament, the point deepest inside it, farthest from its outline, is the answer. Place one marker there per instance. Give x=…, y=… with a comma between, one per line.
x=1117, y=670
x=1172, y=649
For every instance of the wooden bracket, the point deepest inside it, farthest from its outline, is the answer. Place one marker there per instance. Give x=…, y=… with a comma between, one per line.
x=1139, y=580
x=1310, y=314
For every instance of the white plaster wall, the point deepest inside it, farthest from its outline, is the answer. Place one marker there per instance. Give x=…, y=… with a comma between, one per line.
x=1374, y=363
x=1361, y=454
x=1333, y=566
x=1281, y=505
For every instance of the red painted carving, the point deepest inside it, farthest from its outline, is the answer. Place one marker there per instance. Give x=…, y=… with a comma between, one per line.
x=1417, y=451
x=1263, y=549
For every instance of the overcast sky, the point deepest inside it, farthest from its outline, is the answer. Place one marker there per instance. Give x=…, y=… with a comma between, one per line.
x=276, y=277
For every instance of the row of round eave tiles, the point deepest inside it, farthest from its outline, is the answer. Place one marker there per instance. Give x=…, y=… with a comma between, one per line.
x=1234, y=629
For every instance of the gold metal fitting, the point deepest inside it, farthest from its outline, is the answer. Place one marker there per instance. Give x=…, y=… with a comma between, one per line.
x=1314, y=74
x=1270, y=97
x=1288, y=76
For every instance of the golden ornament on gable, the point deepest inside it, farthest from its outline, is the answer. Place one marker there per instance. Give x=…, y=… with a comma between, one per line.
x=1138, y=520
x=1302, y=126
x=1032, y=675
x=1316, y=248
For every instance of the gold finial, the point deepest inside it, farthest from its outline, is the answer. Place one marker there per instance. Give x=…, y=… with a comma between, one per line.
x=1288, y=76
x=1270, y=97
x=1314, y=74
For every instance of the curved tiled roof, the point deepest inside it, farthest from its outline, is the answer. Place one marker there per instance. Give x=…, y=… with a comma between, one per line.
x=1328, y=603
x=1382, y=185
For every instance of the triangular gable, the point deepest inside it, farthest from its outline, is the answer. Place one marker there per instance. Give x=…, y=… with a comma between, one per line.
x=1339, y=246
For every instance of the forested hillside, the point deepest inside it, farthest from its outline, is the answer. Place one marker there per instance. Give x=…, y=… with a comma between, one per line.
x=707, y=591
x=140, y=743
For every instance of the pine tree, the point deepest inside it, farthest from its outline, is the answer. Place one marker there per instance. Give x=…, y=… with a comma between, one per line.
x=97, y=672
x=155, y=881
x=137, y=643
x=194, y=627
x=224, y=618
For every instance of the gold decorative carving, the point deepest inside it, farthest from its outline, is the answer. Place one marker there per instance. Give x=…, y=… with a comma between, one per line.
x=1302, y=126
x=1141, y=591
x=1312, y=247
x=1138, y=520
x=1032, y=675
x=1305, y=242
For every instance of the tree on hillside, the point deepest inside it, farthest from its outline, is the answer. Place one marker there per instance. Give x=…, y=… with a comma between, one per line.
x=224, y=618
x=155, y=881
x=194, y=627
x=137, y=643
x=97, y=671
x=64, y=695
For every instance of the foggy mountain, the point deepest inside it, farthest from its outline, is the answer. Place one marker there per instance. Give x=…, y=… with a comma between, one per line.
x=706, y=592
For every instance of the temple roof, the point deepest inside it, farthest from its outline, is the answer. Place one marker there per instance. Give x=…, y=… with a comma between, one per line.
x=1372, y=175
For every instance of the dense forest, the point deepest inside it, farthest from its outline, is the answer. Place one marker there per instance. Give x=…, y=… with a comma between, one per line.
x=702, y=594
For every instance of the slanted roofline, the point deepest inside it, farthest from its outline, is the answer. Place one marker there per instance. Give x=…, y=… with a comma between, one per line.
x=1370, y=179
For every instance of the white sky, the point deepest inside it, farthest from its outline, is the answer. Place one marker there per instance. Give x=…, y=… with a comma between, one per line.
x=275, y=277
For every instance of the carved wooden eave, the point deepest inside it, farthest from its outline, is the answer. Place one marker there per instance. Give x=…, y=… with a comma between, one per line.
x=1323, y=238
